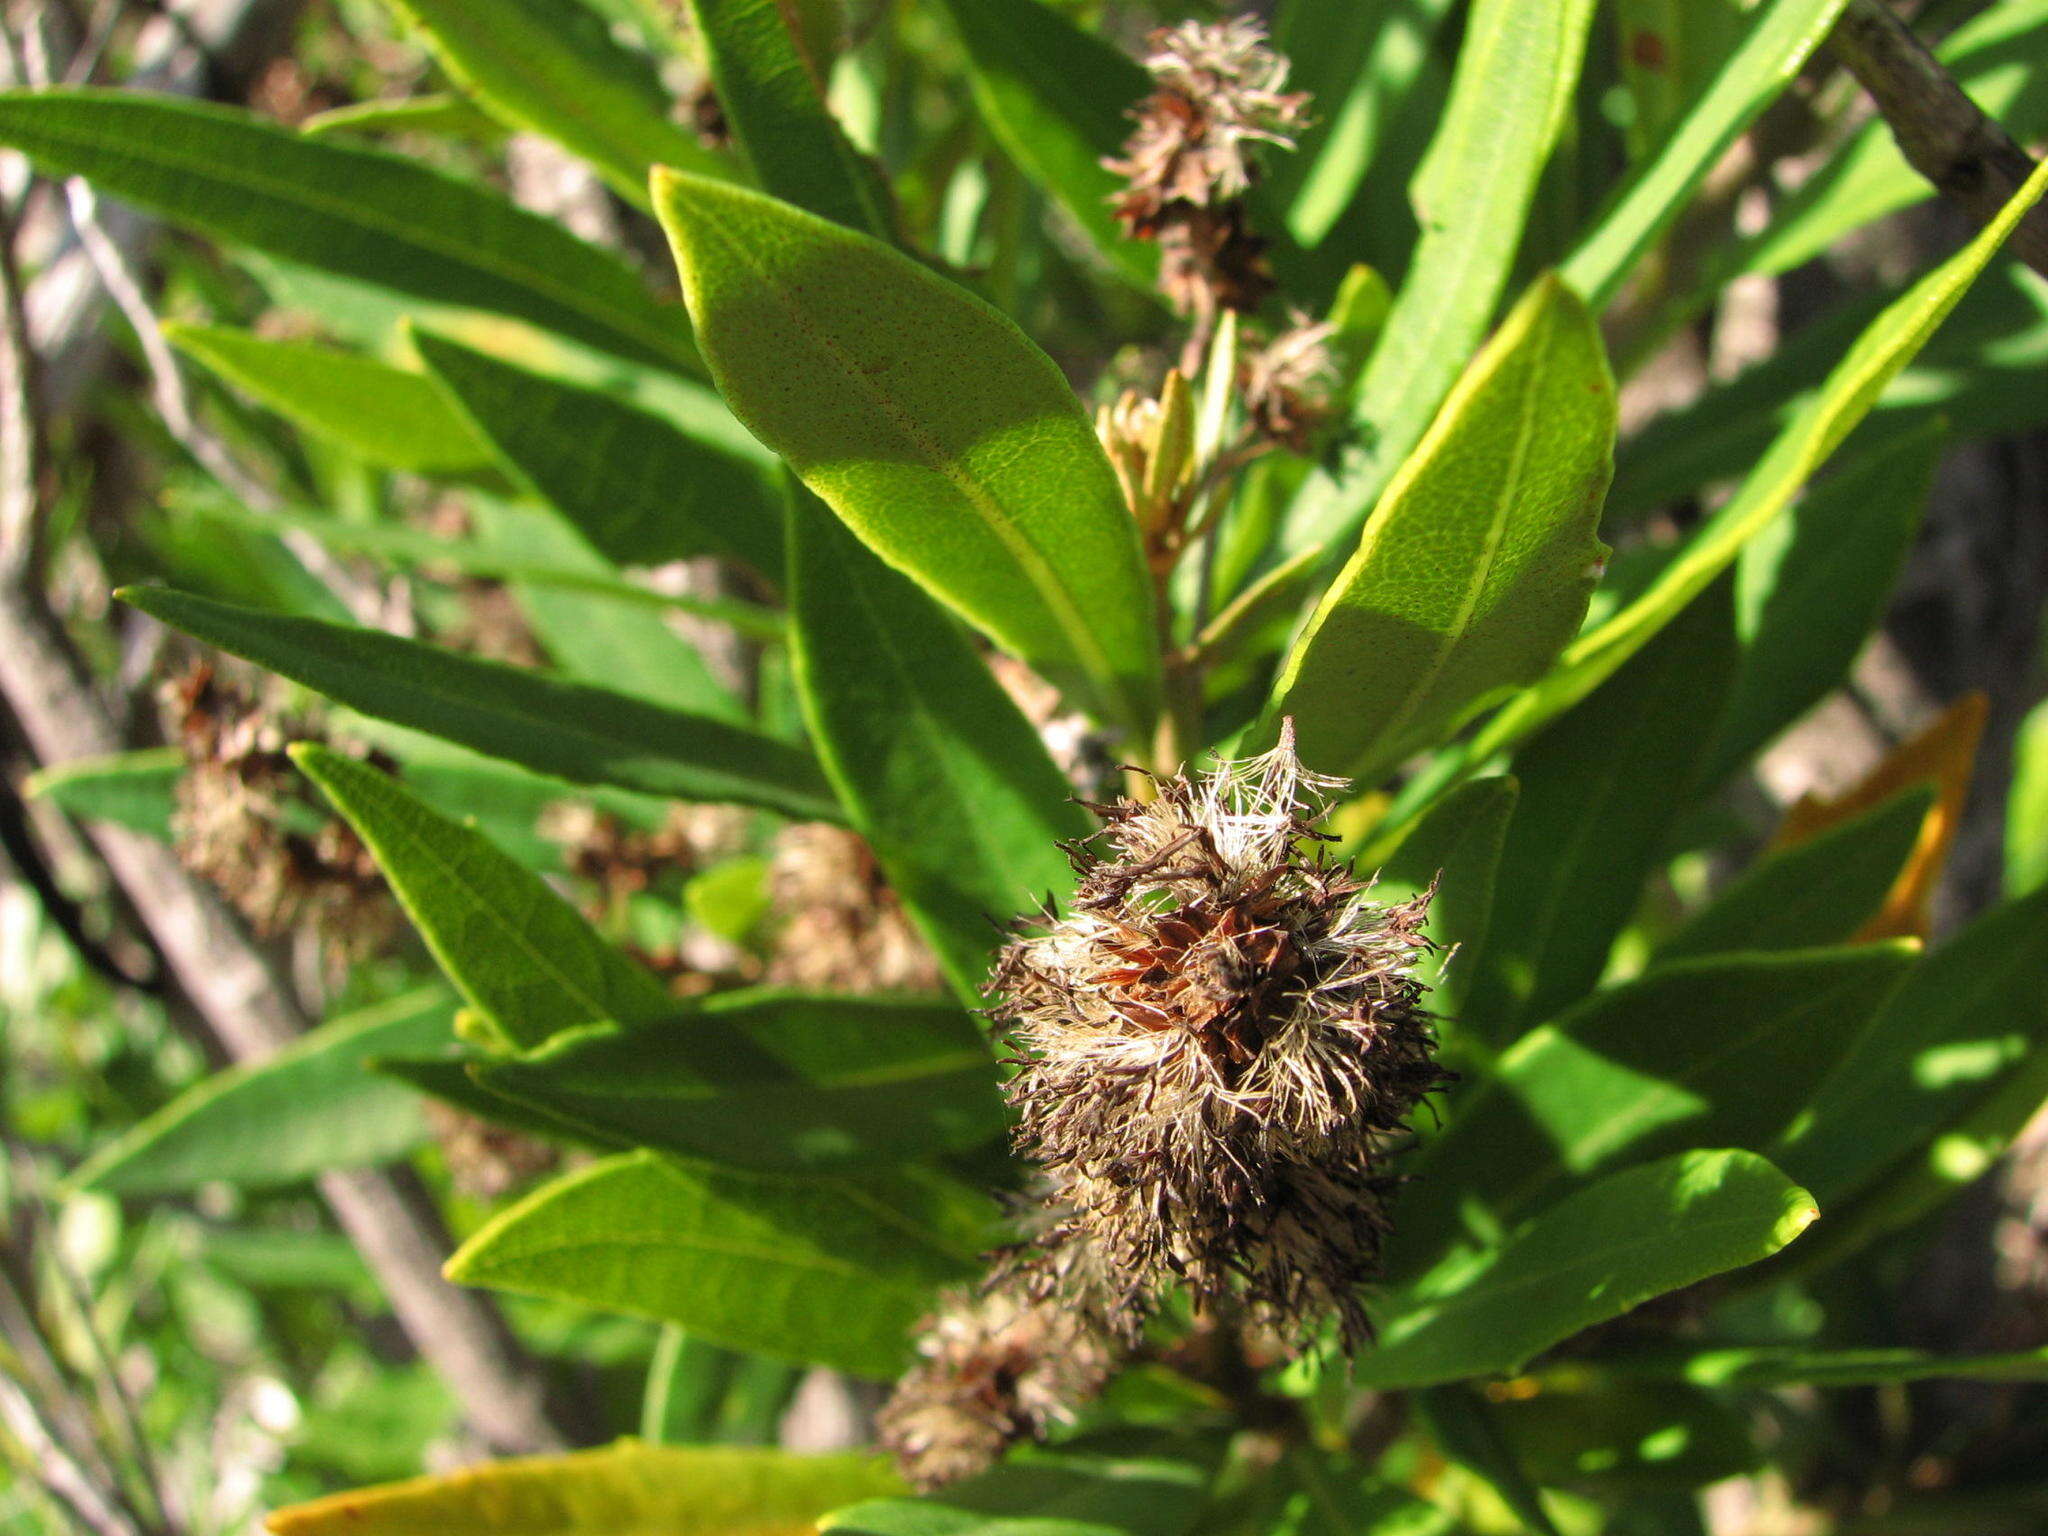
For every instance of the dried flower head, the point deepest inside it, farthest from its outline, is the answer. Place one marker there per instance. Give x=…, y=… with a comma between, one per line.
x=1290, y=384
x=1191, y=159
x=997, y=1368
x=842, y=927
x=246, y=821
x=1222, y=1044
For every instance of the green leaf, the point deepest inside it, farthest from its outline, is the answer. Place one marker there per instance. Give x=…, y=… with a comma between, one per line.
x=1971, y=1010
x=515, y=950
x=1515, y=78
x=137, y=790
x=1769, y=1367
x=1057, y=99
x=1851, y=389
x=1600, y=788
x=638, y=489
x=1723, y=1052
x=447, y=1078
x=441, y=113
x=356, y=212
x=583, y=734
x=1113, y=1483
x=2026, y=806
x=771, y=87
x=618, y=644
x=309, y=1108
x=1770, y=57
x=1457, y=846
x=1638, y=1434
x=1812, y=584
x=1466, y=1429
x=775, y=1081
x=415, y=547
x=552, y=66
x=928, y=422
x=389, y=416
x=937, y=767
x=627, y=1489
x=821, y=1271
x=1815, y=893
x=1617, y=1243
x=1476, y=566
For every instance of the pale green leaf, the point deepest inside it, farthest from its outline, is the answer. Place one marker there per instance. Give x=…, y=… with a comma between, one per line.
x=137, y=790
x=1477, y=565
x=929, y=423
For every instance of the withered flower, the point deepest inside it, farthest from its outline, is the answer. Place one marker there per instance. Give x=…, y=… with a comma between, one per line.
x=843, y=929
x=247, y=822
x=1290, y=384
x=1191, y=159
x=997, y=1368
x=1222, y=1044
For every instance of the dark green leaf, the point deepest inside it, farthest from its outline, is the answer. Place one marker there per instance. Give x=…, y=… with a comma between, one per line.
x=1815, y=893
x=1599, y=789
x=937, y=767
x=1457, y=845
x=1615, y=1244
x=638, y=489
x=136, y=790
x=516, y=950
x=776, y=1081
x=583, y=734
x=356, y=212
x=771, y=88
x=822, y=1271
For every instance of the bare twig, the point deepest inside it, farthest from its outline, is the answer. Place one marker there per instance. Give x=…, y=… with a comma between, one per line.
x=1943, y=134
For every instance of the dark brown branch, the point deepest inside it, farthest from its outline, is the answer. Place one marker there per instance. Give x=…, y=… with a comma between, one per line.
x=1943, y=134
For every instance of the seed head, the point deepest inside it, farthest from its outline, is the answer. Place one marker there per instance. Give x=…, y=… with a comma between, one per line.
x=1290, y=384
x=997, y=1368
x=1192, y=157
x=1222, y=1042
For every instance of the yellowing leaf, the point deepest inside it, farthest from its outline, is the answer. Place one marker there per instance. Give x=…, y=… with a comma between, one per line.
x=1944, y=754
x=628, y=1489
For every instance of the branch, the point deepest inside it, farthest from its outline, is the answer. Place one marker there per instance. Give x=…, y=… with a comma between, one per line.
x=1943, y=134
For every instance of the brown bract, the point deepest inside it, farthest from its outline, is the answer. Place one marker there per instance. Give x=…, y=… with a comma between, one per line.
x=1221, y=1045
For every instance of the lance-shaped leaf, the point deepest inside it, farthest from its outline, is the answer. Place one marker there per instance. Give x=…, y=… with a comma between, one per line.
x=1972, y=1009
x=573, y=731
x=355, y=212
x=632, y=483
x=1852, y=388
x=778, y=1081
x=1453, y=849
x=928, y=422
x=519, y=953
x=627, y=1489
x=1477, y=565
x=1600, y=789
x=1516, y=72
x=1777, y=44
x=772, y=88
x=1722, y=1052
x=553, y=66
x=389, y=416
x=937, y=766
x=1815, y=893
x=313, y=1106
x=137, y=790
x=821, y=1271
x=1617, y=1243
x=1058, y=99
